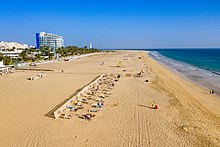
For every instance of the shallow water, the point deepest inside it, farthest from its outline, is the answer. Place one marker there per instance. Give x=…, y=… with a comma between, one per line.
x=206, y=78
x=208, y=59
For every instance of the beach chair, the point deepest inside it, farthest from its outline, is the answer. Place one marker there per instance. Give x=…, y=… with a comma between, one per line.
x=94, y=104
x=71, y=108
x=93, y=110
x=102, y=95
x=66, y=116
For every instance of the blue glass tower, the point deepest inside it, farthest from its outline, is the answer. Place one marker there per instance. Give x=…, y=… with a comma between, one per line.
x=37, y=40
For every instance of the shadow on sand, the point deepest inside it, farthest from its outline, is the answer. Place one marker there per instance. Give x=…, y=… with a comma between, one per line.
x=145, y=106
x=50, y=113
x=206, y=93
x=113, y=66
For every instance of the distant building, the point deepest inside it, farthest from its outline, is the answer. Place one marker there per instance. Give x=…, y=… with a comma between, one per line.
x=50, y=40
x=1, y=64
x=90, y=45
x=13, y=54
x=12, y=45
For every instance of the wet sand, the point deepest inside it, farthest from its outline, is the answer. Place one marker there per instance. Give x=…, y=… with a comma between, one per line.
x=187, y=116
x=206, y=78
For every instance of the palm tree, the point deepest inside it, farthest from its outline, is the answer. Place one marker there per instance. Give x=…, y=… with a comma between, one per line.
x=7, y=60
x=38, y=56
x=1, y=57
x=74, y=50
x=23, y=55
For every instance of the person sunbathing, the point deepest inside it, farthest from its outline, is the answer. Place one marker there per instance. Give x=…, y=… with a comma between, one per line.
x=67, y=116
x=88, y=116
x=139, y=74
x=154, y=106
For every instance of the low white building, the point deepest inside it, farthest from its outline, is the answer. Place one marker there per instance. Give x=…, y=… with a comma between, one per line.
x=1, y=64
x=12, y=54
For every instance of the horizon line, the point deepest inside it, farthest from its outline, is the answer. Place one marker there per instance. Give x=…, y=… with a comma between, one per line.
x=167, y=48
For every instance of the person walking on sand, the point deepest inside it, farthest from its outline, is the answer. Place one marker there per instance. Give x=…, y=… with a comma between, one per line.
x=211, y=91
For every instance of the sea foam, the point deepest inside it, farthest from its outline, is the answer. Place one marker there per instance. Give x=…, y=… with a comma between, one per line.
x=206, y=78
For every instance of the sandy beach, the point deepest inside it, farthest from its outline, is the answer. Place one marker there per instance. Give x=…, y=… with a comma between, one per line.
x=187, y=115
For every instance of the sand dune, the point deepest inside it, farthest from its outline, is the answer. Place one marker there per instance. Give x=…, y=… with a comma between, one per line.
x=187, y=114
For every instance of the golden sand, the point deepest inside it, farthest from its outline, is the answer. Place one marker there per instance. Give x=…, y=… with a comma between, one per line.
x=187, y=114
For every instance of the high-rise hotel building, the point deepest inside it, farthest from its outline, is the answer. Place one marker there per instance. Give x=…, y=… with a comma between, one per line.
x=50, y=40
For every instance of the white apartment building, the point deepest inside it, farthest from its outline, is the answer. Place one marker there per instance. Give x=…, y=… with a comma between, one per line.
x=50, y=40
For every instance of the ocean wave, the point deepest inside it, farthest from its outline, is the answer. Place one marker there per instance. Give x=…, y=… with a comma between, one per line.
x=204, y=77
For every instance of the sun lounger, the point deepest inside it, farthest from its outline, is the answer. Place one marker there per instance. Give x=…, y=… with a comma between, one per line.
x=83, y=100
x=97, y=105
x=127, y=75
x=98, y=99
x=94, y=104
x=79, y=104
x=42, y=75
x=33, y=78
x=79, y=107
x=93, y=110
x=66, y=116
x=102, y=95
x=71, y=108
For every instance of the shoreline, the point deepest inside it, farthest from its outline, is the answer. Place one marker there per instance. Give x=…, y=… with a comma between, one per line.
x=189, y=76
x=199, y=88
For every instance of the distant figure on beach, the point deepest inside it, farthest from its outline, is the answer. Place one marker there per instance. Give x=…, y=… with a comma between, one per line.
x=62, y=70
x=99, y=105
x=211, y=91
x=119, y=64
x=153, y=105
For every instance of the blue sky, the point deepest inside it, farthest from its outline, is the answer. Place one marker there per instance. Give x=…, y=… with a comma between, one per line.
x=114, y=23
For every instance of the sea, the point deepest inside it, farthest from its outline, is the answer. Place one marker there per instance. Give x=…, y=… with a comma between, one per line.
x=201, y=66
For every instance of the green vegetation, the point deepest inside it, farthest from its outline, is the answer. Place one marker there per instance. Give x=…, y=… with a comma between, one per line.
x=1, y=57
x=74, y=50
x=6, y=60
x=45, y=53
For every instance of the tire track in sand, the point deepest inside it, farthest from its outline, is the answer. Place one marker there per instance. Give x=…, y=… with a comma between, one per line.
x=120, y=128
x=138, y=132
x=117, y=121
x=30, y=136
x=143, y=136
x=116, y=125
